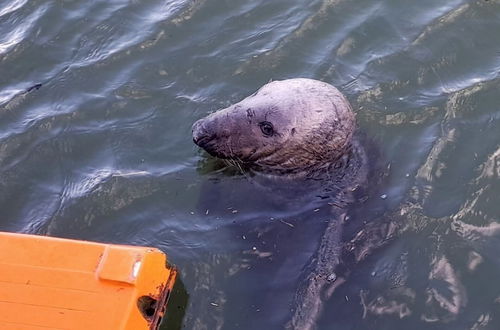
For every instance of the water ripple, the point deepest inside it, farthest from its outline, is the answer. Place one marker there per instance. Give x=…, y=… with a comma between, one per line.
x=12, y=7
x=97, y=99
x=19, y=32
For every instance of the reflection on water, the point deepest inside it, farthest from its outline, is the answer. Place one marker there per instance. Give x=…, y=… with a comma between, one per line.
x=96, y=103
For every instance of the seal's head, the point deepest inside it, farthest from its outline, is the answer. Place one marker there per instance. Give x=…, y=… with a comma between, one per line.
x=287, y=126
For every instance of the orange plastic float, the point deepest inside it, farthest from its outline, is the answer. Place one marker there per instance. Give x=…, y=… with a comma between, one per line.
x=53, y=283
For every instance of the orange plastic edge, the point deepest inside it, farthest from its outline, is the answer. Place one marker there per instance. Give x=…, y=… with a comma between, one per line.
x=55, y=283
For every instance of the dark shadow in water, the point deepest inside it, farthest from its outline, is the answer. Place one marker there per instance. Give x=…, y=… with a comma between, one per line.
x=283, y=221
x=176, y=307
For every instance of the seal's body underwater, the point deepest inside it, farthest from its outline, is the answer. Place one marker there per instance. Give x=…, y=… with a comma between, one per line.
x=292, y=131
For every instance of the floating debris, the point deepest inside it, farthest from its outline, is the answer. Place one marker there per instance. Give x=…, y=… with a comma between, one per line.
x=315, y=210
x=192, y=213
x=254, y=248
x=206, y=212
x=383, y=196
x=34, y=88
x=287, y=223
x=214, y=304
x=332, y=277
x=234, y=211
x=243, y=236
x=335, y=204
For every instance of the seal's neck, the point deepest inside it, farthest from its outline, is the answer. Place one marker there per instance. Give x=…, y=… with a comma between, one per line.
x=312, y=169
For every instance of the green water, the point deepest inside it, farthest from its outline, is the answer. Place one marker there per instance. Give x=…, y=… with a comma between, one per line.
x=97, y=99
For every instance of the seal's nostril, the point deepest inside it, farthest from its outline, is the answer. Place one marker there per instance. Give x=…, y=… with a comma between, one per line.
x=202, y=141
x=201, y=135
x=198, y=132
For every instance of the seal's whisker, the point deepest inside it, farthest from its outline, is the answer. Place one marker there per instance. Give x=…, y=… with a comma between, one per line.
x=227, y=162
x=235, y=161
x=239, y=167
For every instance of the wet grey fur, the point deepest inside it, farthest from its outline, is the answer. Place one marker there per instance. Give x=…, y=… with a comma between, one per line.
x=312, y=136
x=313, y=126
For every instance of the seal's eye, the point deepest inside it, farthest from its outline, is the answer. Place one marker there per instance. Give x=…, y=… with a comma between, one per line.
x=266, y=128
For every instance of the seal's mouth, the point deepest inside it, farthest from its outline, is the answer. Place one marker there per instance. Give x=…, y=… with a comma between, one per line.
x=208, y=143
x=206, y=139
x=203, y=141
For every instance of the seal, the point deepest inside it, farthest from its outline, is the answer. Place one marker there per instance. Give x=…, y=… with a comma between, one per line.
x=295, y=126
x=292, y=131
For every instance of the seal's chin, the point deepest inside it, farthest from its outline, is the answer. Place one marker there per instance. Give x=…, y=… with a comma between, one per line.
x=211, y=146
x=217, y=153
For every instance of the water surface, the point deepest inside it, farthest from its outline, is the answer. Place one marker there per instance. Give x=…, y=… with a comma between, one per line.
x=97, y=99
